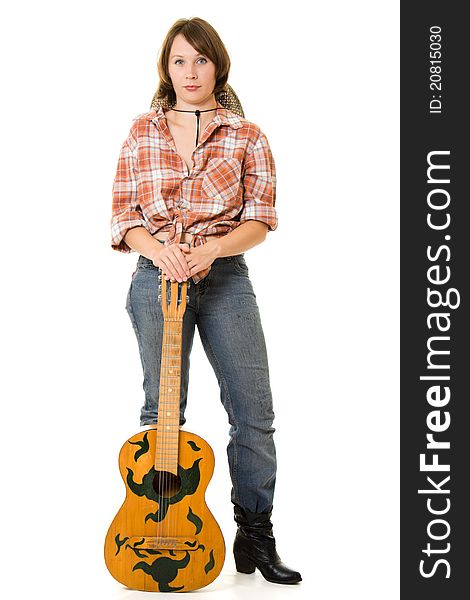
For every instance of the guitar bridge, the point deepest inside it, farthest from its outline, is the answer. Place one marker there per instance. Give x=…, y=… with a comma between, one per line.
x=163, y=543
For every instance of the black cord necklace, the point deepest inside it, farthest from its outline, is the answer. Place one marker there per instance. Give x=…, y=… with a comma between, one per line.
x=197, y=113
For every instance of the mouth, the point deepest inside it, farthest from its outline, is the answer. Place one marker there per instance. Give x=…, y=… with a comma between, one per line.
x=191, y=87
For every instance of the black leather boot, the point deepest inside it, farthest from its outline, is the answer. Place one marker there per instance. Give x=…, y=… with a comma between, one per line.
x=255, y=546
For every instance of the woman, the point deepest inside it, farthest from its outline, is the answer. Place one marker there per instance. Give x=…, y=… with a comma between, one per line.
x=194, y=189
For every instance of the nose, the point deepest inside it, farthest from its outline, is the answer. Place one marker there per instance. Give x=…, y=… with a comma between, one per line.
x=191, y=72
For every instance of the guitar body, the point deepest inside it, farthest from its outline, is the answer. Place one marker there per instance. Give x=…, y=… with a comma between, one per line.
x=164, y=538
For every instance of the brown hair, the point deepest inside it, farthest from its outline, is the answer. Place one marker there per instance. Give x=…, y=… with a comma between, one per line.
x=203, y=38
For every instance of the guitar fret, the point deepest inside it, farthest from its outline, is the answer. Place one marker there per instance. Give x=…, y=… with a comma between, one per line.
x=168, y=447
x=162, y=453
x=166, y=454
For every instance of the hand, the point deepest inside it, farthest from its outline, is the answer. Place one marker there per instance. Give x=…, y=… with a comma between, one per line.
x=200, y=258
x=172, y=262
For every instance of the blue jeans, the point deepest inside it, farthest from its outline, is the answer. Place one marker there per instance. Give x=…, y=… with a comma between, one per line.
x=224, y=307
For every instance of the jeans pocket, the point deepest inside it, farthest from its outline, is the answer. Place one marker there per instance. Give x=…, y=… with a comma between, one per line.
x=240, y=264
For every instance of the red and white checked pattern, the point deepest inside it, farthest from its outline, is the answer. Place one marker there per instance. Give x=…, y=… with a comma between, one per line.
x=233, y=180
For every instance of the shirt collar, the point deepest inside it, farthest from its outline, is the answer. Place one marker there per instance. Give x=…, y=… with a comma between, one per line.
x=223, y=117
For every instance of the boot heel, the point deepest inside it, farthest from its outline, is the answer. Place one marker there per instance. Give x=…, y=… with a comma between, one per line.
x=244, y=564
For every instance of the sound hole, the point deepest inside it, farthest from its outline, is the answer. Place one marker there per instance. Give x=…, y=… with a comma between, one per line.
x=166, y=484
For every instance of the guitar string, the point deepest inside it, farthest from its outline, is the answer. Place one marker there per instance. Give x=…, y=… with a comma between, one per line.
x=166, y=444
x=179, y=360
x=163, y=439
x=172, y=419
x=168, y=438
x=159, y=433
x=157, y=427
x=165, y=435
x=170, y=434
x=178, y=343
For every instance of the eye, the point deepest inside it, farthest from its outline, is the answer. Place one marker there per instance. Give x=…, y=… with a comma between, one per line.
x=178, y=60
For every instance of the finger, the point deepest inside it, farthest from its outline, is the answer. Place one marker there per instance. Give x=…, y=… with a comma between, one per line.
x=195, y=269
x=202, y=272
x=180, y=265
x=177, y=267
x=183, y=264
x=168, y=268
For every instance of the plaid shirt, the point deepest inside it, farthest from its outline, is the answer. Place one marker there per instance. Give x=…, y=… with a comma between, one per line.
x=233, y=180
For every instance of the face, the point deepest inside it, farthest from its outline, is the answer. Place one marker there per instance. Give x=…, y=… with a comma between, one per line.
x=187, y=67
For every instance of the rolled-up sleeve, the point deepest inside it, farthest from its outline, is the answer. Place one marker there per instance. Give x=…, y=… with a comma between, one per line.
x=259, y=185
x=126, y=212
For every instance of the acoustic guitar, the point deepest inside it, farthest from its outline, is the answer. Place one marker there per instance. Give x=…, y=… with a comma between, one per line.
x=164, y=537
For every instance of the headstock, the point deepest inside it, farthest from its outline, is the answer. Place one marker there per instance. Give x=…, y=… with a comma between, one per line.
x=172, y=295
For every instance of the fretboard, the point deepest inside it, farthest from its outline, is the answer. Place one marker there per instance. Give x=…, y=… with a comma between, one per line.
x=166, y=454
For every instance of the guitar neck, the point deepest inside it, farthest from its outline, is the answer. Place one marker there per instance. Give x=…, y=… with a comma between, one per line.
x=166, y=455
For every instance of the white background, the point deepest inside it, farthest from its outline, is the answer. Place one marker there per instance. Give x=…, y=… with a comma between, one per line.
x=321, y=80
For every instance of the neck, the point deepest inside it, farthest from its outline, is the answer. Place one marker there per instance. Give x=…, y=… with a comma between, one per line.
x=187, y=119
x=210, y=102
